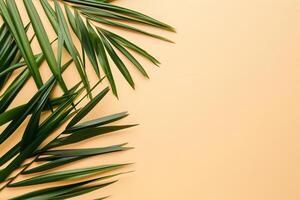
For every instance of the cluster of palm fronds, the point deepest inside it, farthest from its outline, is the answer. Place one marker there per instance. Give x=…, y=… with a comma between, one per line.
x=46, y=114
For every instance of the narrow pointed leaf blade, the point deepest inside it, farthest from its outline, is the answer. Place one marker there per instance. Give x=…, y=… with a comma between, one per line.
x=66, y=175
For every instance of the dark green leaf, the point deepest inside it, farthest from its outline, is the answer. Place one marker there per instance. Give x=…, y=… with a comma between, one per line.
x=66, y=175
x=55, y=191
x=97, y=122
x=62, y=157
x=85, y=134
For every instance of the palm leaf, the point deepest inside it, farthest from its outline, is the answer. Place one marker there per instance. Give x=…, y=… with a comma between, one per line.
x=47, y=113
x=44, y=42
x=57, y=191
x=66, y=175
x=12, y=18
x=62, y=157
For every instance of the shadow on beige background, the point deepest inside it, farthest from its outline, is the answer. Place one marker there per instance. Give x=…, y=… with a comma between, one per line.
x=220, y=118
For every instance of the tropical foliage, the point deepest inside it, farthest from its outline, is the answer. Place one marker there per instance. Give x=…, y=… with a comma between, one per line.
x=90, y=22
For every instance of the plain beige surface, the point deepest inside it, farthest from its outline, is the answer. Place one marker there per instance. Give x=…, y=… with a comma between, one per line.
x=220, y=118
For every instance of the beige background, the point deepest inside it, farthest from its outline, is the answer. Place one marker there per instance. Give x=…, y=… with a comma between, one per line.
x=220, y=118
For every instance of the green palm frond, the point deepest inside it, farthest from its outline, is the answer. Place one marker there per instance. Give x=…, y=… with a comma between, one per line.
x=48, y=157
x=91, y=22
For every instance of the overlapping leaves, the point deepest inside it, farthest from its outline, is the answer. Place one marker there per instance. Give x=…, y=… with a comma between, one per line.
x=48, y=158
x=102, y=47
